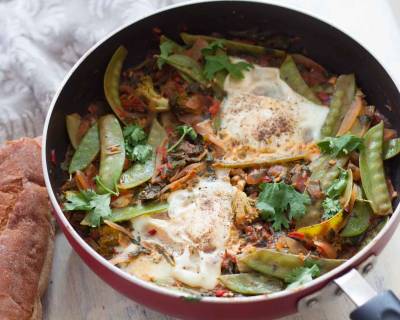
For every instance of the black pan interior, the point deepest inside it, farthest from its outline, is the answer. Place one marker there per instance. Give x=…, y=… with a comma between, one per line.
x=320, y=41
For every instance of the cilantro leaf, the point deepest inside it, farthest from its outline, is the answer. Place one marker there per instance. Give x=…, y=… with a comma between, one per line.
x=97, y=205
x=213, y=47
x=279, y=203
x=331, y=207
x=141, y=152
x=221, y=62
x=184, y=131
x=166, y=48
x=338, y=186
x=135, y=143
x=77, y=200
x=187, y=130
x=134, y=134
x=340, y=145
x=301, y=275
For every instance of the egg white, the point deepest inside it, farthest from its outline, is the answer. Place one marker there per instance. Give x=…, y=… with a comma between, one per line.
x=261, y=113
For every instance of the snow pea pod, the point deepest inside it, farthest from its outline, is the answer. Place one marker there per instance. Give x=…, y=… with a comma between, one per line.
x=324, y=171
x=187, y=66
x=128, y=213
x=372, y=171
x=341, y=100
x=258, y=162
x=251, y=283
x=111, y=82
x=231, y=45
x=139, y=173
x=279, y=264
x=358, y=222
x=73, y=121
x=87, y=150
x=112, y=155
x=391, y=148
x=291, y=75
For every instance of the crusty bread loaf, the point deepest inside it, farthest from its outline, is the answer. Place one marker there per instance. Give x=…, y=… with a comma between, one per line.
x=26, y=231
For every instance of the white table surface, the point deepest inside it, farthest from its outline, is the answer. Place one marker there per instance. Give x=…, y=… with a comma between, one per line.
x=76, y=293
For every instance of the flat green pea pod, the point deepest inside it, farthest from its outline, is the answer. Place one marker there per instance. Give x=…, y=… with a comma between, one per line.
x=187, y=66
x=176, y=48
x=131, y=212
x=258, y=162
x=112, y=155
x=324, y=171
x=278, y=264
x=372, y=233
x=358, y=222
x=345, y=90
x=87, y=150
x=291, y=75
x=111, y=83
x=346, y=197
x=251, y=283
x=372, y=171
x=230, y=45
x=391, y=148
x=142, y=172
x=73, y=122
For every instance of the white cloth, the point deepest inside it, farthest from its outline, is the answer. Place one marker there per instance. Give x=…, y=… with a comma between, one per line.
x=41, y=39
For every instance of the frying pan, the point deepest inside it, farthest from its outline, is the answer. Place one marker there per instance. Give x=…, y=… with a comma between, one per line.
x=320, y=41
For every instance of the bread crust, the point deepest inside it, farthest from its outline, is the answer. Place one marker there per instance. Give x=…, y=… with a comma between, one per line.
x=26, y=231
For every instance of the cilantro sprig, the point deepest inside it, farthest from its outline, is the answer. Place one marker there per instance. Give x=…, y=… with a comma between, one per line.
x=97, y=205
x=217, y=60
x=279, y=203
x=331, y=203
x=301, y=275
x=342, y=145
x=184, y=131
x=136, y=147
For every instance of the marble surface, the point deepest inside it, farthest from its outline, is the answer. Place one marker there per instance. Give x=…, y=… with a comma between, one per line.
x=40, y=41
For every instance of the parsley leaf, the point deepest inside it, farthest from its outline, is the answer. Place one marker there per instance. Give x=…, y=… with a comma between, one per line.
x=338, y=186
x=301, y=275
x=97, y=205
x=279, y=203
x=184, y=131
x=331, y=207
x=340, y=145
x=135, y=143
x=221, y=62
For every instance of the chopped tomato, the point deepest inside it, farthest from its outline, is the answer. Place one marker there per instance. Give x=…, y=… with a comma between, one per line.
x=53, y=158
x=214, y=108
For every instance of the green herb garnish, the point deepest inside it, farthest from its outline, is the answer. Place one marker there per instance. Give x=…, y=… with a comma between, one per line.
x=184, y=131
x=342, y=145
x=301, y=275
x=97, y=205
x=279, y=203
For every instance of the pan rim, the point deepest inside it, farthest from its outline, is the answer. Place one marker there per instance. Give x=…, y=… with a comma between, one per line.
x=312, y=285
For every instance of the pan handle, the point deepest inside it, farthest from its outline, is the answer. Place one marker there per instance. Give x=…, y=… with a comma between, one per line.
x=370, y=305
